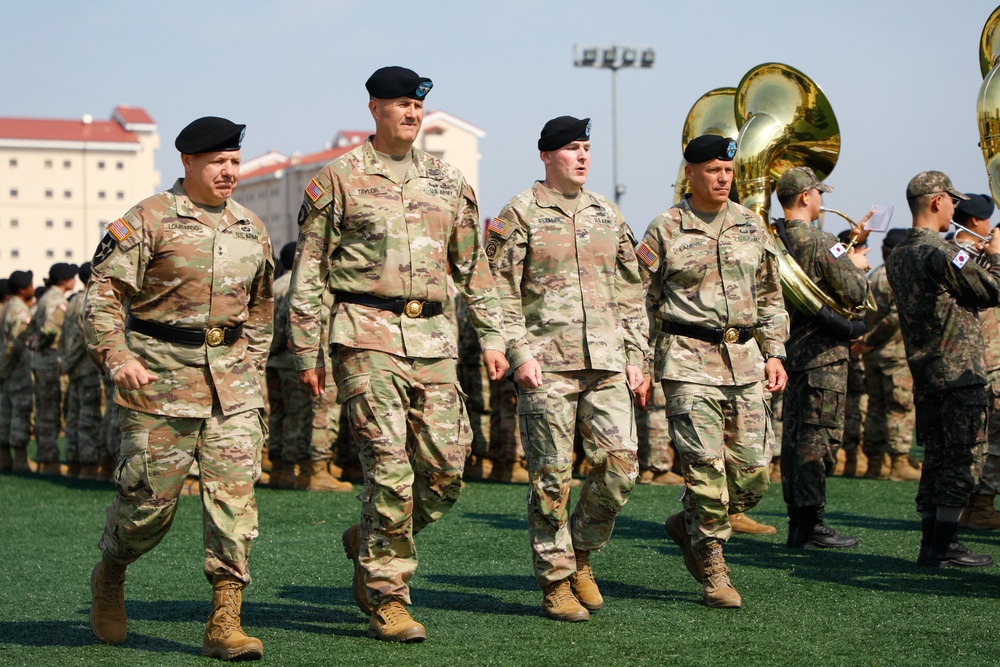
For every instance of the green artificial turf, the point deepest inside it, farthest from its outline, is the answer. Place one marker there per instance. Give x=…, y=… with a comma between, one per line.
x=475, y=593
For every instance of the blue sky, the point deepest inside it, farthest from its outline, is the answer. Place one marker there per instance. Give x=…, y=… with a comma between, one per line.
x=902, y=77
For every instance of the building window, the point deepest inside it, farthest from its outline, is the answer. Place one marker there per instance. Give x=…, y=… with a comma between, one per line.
x=101, y=194
x=67, y=164
x=14, y=223
x=119, y=165
x=103, y=225
x=120, y=194
x=50, y=254
x=48, y=194
x=48, y=164
x=49, y=224
x=13, y=193
x=15, y=253
x=13, y=162
x=100, y=164
x=67, y=193
x=69, y=254
x=68, y=224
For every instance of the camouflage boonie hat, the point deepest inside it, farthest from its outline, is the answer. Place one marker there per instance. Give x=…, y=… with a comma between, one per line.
x=931, y=183
x=799, y=179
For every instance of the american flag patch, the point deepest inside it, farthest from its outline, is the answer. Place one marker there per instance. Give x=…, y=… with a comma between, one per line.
x=960, y=259
x=498, y=225
x=838, y=249
x=314, y=190
x=120, y=229
x=645, y=255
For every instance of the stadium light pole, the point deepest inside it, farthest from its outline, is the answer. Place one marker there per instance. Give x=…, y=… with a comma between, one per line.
x=614, y=58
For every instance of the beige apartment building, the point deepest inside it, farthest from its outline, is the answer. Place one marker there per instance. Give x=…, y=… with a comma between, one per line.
x=63, y=181
x=272, y=184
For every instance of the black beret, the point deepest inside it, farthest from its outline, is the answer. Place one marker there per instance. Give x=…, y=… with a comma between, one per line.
x=85, y=272
x=709, y=147
x=20, y=280
x=3, y=286
x=62, y=271
x=389, y=82
x=287, y=255
x=562, y=130
x=209, y=135
x=894, y=237
x=980, y=207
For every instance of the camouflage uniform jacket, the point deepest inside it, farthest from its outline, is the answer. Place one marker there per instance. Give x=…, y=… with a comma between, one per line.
x=15, y=356
x=698, y=279
x=361, y=232
x=822, y=257
x=46, y=328
x=72, y=344
x=171, y=265
x=938, y=302
x=991, y=338
x=281, y=357
x=569, y=284
x=883, y=324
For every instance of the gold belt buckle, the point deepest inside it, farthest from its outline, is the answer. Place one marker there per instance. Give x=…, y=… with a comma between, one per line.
x=215, y=337
x=731, y=335
x=414, y=308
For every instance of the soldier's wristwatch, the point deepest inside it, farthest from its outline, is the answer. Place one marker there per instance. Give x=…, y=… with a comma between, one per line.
x=774, y=356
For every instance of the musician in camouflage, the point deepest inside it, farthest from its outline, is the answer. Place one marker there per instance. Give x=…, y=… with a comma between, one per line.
x=938, y=290
x=718, y=327
x=381, y=228
x=83, y=393
x=17, y=392
x=179, y=315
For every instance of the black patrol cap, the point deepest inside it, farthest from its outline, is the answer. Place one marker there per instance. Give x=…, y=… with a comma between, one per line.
x=395, y=81
x=287, y=255
x=710, y=147
x=562, y=130
x=62, y=271
x=20, y=280
x=894, y=237
x=210, y=134
x=980, y=207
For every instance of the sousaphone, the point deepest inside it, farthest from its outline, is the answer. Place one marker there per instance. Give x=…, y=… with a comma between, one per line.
x=988, y=104
x=713, y=113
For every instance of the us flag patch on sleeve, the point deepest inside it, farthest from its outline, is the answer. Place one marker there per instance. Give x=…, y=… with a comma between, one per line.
x=960, y=259
x=120, y=229
x=838, y=249
x=645, y=254
x=314, y=190
x=498, y=226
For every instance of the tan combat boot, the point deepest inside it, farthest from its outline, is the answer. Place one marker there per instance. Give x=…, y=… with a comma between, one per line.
x=392, y=623
x=107, y=602
x=89, y=472
x=980, y=513
x=282, y=475
x=108, y=464
x=583, y=584
x=676, y=531
x=318, y=478
x=855, y=463
x=668, y=478
x=838, y=467
x=21, y=462
x=52, y=469
x=6, y=460
x=224, y=638
x=741, y=523
x=192, y=486
x=718, y=590
x=560, y=604
x=351, y=538
x=72, y=470
x=900, y=469
x=775, y=471
x=878, y=467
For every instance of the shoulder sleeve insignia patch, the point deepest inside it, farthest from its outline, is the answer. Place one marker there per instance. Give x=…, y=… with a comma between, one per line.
x=314, y=190
x=645, y=254
x=120, y=229
x=838, y=249
x=960, y=259
x=104, y=250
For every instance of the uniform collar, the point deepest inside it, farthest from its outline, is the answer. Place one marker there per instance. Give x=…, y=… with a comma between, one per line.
x=420, y=167
x=544, y=199
x=188, y=209
x=692, y=222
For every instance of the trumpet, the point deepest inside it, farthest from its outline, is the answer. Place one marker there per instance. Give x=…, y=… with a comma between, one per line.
x=853, y=224
x=982, y=259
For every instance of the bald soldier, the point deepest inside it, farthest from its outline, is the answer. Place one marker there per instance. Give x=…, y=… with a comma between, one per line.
x=718, y=324
x=381, y=228
x=179, y=315
x=563, y=260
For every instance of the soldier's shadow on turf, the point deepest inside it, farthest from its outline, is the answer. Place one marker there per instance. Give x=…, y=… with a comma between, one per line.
x=71, y=634
x=498, y=521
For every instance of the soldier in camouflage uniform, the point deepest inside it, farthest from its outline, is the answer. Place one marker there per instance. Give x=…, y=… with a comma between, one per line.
x=718, y=324
x=381, y=227
x=563, y=261
x=855, y=401
x=110, y=436
x=179, y=315
x=656, y=450
x=818, y=353
x=17, y=393
x=475, y=380
x=83, y=397
x=45, y=332
x=938, y=288
x=889, y=421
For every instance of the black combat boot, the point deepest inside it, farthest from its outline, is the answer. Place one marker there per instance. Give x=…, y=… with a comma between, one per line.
x=947, y=551
x=814, y=534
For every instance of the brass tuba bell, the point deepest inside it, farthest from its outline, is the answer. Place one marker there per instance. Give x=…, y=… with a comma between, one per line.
x=785, y=121
x=988, y=103
x=713, y=113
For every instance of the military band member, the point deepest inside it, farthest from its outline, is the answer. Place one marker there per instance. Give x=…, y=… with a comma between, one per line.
x=17, y=391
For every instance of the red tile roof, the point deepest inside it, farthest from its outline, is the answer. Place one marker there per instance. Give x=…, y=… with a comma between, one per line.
x=134, y=115
x=319, y=159
x=37, y=129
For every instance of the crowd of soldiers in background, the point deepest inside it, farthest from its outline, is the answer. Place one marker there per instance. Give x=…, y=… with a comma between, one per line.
x=48, y=386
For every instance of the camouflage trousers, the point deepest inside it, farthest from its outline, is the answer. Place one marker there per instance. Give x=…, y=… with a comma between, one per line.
x=813, y=432
x=110, y=428
x=83, y=419
x=16, y=407
x=48, y=411
x=475, y=382
x=302, y=426
x=776, y=412
x=656, y=451
x=409, y=421
x=951, y=427
x=856, y=406
x=989, y=481
x=721, y=435
x=505, y=435
x=598, y=405
x=157, y=452
x=889, y=422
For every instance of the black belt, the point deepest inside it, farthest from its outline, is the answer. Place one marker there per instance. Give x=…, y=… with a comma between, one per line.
x=214, y=336
x=408, y=307
x=711, y=335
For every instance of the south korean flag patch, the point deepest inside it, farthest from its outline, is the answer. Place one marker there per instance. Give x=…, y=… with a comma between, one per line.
x=960, y=259
x=837, y=250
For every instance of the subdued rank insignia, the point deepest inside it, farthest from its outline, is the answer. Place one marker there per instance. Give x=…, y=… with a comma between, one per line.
x=645, y=254
x=104, y=250
x=960, y=259
x=120, y=229
x=314, y=190
x=838, y=249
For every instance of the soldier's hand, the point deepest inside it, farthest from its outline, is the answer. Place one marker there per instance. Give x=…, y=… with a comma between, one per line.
x=993, y=247
x=133, y=375
x=777, y=378
x=496, y=364
x=643, y=393
x=860, y=233
x=859, y=257
x=634, y=375
x=315, y=379
x=529, y=375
